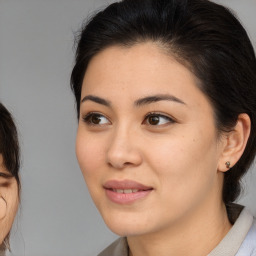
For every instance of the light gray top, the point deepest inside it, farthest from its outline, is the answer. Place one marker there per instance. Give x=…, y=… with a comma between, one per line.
x=240, y=240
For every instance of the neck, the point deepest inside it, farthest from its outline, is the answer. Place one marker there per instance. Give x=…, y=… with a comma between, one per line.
x=195, y=235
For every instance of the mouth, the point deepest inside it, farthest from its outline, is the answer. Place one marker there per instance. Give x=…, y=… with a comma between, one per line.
x=126, y=191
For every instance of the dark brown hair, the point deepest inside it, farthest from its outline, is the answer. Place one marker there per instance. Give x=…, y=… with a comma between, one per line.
x=204, y=36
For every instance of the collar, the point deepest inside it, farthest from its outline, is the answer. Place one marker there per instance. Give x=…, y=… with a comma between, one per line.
x=231, y=243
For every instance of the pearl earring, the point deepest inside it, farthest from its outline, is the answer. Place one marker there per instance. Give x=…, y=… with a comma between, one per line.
x=227, y=164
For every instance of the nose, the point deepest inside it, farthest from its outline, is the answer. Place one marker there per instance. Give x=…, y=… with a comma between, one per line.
x=123, y=150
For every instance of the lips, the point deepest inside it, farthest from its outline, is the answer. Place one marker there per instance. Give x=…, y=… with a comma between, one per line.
x=125, y=184
x=126, y=191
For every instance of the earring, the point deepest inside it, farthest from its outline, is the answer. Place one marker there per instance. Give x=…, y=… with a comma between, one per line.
x=227, y=164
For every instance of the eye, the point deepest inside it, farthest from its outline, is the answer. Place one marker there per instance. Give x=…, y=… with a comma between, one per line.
x=96, y=119
x=155, y=119
x=5, y=175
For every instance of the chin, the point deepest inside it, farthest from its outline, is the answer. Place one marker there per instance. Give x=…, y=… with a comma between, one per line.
x=126, y=224
x=125, y=230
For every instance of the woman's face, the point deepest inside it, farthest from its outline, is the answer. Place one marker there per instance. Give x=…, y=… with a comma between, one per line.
x=146, y=141
x=8, y=201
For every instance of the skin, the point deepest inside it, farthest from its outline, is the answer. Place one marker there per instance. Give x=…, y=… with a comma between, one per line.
x=8, y=201
x=180, y=157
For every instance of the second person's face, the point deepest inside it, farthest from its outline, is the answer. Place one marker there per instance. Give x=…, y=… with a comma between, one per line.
x=9, y=200
x=146, y=140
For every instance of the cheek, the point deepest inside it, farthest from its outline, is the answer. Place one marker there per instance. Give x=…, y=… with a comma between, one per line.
x=90, y=155
x=174, y=154
x=185, y=166
x=11, y=196
x=12, y=210
x=89, y=152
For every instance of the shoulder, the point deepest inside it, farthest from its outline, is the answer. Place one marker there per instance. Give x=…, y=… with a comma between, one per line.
x=248, y=246
x=117, y=248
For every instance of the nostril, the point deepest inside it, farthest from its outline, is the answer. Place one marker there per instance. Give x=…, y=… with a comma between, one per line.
x=119, y=165
x=122, y=154
x=127, y=163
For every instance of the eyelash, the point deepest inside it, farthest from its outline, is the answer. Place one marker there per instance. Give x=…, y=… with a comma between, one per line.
x=88, y=119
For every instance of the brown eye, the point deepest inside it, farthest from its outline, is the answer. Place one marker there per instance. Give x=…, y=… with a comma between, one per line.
x=157, y=120
x=153, y=120
x=95, y=119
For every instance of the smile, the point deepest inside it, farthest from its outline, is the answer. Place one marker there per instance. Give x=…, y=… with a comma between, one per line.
x=126, y=191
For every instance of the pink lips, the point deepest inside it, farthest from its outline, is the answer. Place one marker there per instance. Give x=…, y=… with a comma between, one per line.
x=126, y=191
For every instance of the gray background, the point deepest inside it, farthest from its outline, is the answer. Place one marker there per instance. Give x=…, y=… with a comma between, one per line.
x=57, y=216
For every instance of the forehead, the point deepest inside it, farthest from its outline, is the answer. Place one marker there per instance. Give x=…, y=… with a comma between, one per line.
x=139, y=70
x=134, y=62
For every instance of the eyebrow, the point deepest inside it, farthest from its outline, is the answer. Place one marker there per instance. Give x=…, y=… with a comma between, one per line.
x=137, y=103
x=97, y=100
x=156, y=98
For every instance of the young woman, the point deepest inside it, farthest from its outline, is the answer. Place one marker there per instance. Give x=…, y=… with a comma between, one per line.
x=9, y=178
x=166, y=102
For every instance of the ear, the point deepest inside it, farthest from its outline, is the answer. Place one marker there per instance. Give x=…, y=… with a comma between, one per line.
x=234, y=143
